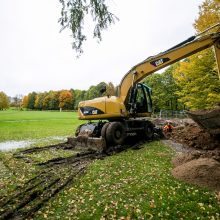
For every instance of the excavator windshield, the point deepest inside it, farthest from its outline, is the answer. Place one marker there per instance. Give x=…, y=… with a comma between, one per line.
x=140, y=99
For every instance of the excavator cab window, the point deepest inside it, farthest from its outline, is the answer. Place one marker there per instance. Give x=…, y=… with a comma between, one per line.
x=148, y=93
x=143, y=99
x=141, y=102
x=140, y=99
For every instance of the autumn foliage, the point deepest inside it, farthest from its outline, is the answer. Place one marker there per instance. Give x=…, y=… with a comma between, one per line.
x=64, y=99
x=197, y=76
x=4, y=101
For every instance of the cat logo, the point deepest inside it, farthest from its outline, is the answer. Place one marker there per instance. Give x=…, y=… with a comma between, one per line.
x=160, y=61
x=95, y=112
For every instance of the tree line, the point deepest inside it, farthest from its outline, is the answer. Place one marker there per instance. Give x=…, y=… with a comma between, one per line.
x=64, y=99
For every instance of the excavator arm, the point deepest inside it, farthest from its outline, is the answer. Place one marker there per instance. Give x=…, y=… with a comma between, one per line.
x=152, y=64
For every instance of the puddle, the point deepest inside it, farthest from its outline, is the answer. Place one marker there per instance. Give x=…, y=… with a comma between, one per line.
x=31, y=120
x=12, y=145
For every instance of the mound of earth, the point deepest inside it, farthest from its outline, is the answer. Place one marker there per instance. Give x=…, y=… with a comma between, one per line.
x=192, y=135
x=186, y=157
x=201, y=164
x=203, y=172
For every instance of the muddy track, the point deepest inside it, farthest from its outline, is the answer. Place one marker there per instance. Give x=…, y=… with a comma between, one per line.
x=55, y=174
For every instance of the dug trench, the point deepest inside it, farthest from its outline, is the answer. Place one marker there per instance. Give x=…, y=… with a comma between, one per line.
x=54, y=175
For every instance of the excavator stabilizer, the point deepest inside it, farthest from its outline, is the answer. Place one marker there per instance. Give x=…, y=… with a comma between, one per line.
x=207, y=119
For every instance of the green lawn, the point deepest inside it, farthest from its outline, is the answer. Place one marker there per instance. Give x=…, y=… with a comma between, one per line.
x=134, y=184
x=23, y=125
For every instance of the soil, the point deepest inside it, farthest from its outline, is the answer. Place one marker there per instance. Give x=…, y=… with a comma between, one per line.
x=203, y=172
x=191, y=135
x=199, y=162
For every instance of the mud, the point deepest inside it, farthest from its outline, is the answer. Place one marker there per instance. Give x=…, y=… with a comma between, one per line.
x=198, y=158
x=54, y=175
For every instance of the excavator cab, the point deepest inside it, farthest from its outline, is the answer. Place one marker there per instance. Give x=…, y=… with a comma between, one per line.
x=140, y=102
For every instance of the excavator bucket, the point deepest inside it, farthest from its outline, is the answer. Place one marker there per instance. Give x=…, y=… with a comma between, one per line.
x=207, y=119
x=87, y=143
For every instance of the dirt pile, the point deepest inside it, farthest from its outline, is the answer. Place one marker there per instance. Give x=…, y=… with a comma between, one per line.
x=188, y=133
x=192, y=135
x=200, y=167
x=203, y=172
x=193, y=155
x=201, y=164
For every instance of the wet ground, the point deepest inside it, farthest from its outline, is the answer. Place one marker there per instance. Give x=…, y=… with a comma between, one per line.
x=12, y=145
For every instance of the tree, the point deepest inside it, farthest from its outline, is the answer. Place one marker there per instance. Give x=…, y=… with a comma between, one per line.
x=73, y=14
x=54, y=99
x=24, y=102
x=65, y=99
x=198, y=80
x=4, y=101
x=31, y=100
x=51, y=100
x=208, y=15
x=171, y=88
x=110, y=89
x=17, y=101
x=164, y=90
x=95, y=91
x=79, y=95
x=38, y=104
x=197, y=76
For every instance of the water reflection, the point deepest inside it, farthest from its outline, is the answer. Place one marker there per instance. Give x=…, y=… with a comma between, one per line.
x=11, y=145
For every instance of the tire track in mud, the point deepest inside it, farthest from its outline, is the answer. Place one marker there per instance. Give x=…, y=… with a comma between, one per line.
x=55, y=174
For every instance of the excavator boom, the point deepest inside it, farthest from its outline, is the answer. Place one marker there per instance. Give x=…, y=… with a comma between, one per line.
x=152, y=64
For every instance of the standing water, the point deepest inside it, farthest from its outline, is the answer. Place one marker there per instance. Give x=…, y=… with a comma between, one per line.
x=12, y=145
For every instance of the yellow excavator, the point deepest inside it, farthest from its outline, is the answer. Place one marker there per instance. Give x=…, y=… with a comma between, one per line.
x=113, y=118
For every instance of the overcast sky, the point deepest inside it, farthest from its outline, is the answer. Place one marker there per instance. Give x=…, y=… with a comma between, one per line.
x=34, y=56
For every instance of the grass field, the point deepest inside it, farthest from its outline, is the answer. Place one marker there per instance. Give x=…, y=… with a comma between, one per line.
x=134, y=184
x=23, y=125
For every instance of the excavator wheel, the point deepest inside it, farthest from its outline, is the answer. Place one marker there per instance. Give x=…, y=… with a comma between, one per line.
x=103, y=131
x=148, y=132
x=115, y=133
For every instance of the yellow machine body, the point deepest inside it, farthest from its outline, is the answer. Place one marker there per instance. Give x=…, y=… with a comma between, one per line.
x=107, y=107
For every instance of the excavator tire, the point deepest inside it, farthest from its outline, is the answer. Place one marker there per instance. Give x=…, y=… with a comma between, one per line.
x=115, y=133
x=103, y=131
x=148, y=132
